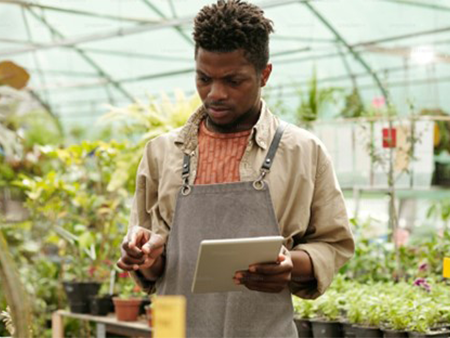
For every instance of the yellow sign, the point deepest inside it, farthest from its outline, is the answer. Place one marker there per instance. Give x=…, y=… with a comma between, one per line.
x=447, y=267
x=169, y=317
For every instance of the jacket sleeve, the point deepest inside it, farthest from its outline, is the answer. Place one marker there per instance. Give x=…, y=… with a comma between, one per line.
x=144, y=209
x=328, y=239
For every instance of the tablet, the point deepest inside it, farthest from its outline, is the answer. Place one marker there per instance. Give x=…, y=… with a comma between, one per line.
x=218, y=261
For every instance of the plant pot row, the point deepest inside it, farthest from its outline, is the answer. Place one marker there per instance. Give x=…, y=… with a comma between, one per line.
x=83, y=298
x=314, y=328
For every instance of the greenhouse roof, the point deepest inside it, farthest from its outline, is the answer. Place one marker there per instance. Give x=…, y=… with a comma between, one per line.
x=84, y=54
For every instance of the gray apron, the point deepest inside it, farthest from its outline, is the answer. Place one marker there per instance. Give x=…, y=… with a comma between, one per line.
x=219, y=211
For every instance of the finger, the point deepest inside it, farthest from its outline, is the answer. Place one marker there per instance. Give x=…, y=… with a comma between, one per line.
x=131, y=261
x=133, y=252
x=147, y=263
x=155, y=243
x=270, y=288
x=134, y=239
x=126, y=267
x=260, y=278
x=271, y=268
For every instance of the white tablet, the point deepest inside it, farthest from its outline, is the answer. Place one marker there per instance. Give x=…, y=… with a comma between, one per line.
x=219, y=260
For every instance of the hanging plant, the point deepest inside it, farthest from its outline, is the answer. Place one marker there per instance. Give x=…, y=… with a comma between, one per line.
x=314, y=100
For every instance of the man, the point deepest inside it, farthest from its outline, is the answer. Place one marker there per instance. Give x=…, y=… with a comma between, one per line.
x=218, y=177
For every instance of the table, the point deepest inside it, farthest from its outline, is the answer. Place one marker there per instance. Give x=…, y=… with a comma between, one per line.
x=103, y=324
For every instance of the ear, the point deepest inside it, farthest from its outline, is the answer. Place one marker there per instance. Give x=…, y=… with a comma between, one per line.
x=265, y=74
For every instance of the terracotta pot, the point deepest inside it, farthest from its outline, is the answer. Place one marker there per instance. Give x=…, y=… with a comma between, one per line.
x=149, y=311
x=127, y=309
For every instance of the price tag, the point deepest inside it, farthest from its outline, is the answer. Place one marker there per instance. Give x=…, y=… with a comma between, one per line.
x=446, y=267
x=169, y=317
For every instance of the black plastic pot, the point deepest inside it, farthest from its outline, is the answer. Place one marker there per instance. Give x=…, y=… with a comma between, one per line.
x=348, y=330
x=304, y=328
x=368, y=332
x=326, y=329
x=101, y=306
x=79, y=294
x=439, y=334
x=441, y=175
x=145, y=302
x=394, y=334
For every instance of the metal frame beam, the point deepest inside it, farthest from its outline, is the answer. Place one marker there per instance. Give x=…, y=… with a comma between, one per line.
x=93, y=64
x=44, y=102
x=292, y=91
x=367, y=44
x=119, y=32
x=420, y=4
x=107, y=52
x=77, y=12
x=351, y=49
x=162, y=15
x=302, y=39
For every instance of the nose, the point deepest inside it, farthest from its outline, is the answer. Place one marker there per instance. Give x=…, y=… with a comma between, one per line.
x=217, y=92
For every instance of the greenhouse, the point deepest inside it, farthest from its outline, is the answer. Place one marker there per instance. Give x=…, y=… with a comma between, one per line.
x=225, y=168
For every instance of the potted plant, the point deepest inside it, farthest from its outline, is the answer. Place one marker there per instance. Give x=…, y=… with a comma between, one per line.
x=397, y=317
x=427, y=314
x=79, y=215
x=314, y=101
x=78, y=287
x=327, y=312
x=365, y=311
x=303, y=311
x=128, y=303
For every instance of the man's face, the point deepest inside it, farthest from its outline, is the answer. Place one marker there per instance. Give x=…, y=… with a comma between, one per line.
x=230, y=88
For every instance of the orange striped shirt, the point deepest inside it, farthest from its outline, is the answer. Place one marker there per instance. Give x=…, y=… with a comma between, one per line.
x=219, y=155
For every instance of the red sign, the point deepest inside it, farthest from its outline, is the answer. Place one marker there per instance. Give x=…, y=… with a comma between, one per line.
x=389, y=138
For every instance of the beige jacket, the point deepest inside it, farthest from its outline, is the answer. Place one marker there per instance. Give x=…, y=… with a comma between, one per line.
x=306, y=196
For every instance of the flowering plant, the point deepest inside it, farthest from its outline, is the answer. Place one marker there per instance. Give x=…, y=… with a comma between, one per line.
x=127, y=287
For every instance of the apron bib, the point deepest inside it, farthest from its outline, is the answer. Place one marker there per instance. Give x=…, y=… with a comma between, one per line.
x=221, y=211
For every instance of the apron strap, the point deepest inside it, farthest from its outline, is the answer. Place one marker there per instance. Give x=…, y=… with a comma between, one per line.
x=273, y=147
x=186, y=189
x=186, y=166
x=265, y=168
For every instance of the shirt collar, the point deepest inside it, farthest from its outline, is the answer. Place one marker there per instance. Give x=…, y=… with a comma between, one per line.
x=187, y=137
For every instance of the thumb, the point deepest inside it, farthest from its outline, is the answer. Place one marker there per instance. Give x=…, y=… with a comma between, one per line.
x=155, y=242
x=281, y=258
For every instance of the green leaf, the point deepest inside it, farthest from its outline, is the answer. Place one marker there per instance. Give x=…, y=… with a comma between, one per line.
x=85, y=240
x=68, y=236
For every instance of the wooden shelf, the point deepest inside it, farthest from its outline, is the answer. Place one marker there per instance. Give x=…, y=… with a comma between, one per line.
x=104, y=324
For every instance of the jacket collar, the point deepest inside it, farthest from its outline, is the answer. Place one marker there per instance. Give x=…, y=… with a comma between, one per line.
x=187, y=139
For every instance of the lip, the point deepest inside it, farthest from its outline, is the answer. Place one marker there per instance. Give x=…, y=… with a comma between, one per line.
x=218, y=112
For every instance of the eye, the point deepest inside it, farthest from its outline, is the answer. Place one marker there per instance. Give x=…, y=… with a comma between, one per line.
x=234, y=82
x=203, y=79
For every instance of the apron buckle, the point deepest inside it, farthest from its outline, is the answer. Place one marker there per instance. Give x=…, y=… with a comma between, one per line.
x=186, y=188
x=259, y=184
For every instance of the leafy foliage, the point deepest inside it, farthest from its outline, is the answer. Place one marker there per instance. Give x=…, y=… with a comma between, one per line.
x=397, y=306
x=314, y=100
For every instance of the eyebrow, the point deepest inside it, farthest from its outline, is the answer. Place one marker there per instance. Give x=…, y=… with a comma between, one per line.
x=240, y=75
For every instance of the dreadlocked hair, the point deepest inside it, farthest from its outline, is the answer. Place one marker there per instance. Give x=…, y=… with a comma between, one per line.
x=229, y=25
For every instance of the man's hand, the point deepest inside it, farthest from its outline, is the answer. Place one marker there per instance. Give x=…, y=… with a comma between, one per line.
x=140, y=249
x=271, y=277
